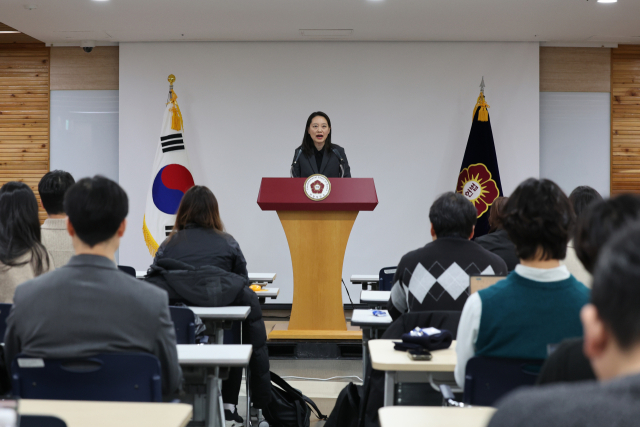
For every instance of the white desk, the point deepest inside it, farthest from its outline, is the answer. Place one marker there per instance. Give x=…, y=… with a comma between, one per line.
x=230, y=355
x=222, y=313
x=402, y=416
x=267, y=293
x=371, y=326
x=217, y=319
x=197, y=361
x=108, y=414
x=375, y=298
x=253, y=277
x=262, y=277
x=399, y=368
x=360, y=279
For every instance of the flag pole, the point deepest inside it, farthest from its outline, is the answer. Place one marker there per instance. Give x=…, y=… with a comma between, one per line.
x=481, y=85
x=170, y=79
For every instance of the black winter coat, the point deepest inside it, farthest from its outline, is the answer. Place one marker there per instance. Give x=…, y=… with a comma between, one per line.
x=210, y=286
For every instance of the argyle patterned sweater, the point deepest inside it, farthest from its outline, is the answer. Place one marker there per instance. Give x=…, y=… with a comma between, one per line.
x=436, y=276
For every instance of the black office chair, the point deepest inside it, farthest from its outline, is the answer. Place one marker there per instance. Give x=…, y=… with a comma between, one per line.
x=386, y=278
x=118, y=377
x=41, y=421
x=184, y=323
x=129, y=270
x=4, y=313
x=487, y=379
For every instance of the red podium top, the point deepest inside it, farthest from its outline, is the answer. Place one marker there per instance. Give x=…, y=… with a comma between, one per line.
x=347, y=194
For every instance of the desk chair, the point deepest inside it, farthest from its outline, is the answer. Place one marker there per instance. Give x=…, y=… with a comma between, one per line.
x=41, y=421
x=487, y=379
x=118, y=377
x=386, y=278
x=184, y=323
x=129, y=270
x=4, y=313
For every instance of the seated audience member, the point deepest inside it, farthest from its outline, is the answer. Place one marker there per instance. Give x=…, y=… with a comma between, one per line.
x=436, y=276
x=612, y=344
x=55, y=237
x=580, y=198
x=537, y=304
x=595, y=226
x=199, y=264
x=22, y=255
x=88, y=306
x=497, y=241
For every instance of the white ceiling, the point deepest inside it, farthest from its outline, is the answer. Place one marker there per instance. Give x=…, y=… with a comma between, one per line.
x=563, y=21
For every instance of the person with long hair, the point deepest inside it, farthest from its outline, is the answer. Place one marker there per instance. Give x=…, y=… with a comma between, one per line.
x=200, y=264
x=497, y=241
x=22, y=255
x=198, y=237
x=317, y=154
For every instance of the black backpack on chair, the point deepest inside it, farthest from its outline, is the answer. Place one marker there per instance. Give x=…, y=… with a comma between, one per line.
x=289, y=407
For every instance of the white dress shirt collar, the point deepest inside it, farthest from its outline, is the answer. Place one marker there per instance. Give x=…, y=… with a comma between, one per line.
x=543, y=274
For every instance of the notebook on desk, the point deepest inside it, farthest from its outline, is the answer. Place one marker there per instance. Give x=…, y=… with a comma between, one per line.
x=478, y=283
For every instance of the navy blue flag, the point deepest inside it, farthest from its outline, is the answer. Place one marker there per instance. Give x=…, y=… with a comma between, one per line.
x=479, y=178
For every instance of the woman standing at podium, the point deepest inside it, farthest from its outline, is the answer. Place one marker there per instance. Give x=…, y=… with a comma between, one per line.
x=317, y=154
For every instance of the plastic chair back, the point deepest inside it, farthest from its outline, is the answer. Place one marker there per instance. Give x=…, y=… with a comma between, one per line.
x=487, y=379
x=4, y=313
x=121, y=377
x=41, y=421
x=184, y=323
x=386, y=278
x=129, y=270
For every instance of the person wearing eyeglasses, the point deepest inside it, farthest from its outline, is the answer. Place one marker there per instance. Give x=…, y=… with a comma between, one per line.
x=316, y=154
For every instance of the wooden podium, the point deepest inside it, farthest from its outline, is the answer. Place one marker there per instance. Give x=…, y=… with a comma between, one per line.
x=317, y=232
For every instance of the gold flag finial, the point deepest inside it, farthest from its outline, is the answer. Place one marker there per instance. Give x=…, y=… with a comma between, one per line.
x=171, y=79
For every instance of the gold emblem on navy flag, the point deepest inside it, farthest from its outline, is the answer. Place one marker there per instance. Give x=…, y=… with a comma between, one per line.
x=317, y=187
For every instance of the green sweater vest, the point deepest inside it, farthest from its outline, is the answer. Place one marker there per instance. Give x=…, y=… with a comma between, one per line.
x=521, y=316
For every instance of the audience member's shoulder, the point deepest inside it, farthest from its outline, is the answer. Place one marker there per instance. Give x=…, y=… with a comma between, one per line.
x=551, y=405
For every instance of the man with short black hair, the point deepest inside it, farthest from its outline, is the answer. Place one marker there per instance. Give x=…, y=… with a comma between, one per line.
x=54, y=234
x=436, y=276
x=611, y=342
x=88, y=306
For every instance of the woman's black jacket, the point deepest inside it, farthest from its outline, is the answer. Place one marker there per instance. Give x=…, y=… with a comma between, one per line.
x=210, y=286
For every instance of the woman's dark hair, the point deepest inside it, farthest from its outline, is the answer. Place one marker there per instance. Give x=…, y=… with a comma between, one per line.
x=453, y=215
x=20, y=227
x=308, y=147
x=538, y=215
x=200, y=207
x=96, y=207
x=616, y=285
x=496, y=214
x=52, y=187
x=581, y=197
x=599, y=221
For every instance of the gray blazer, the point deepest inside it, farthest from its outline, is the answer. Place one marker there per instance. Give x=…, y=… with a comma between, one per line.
x=330, y=167
x=88, y=307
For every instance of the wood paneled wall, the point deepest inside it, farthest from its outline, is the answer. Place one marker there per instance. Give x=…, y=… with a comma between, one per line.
x=24, y=114
x=74, y=69
x=575, y=69
x=625, y=119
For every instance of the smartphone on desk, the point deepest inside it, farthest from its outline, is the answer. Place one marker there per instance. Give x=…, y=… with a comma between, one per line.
x=420, y=355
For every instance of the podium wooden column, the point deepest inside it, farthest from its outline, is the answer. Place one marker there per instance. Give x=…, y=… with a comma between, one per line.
x=317, y=233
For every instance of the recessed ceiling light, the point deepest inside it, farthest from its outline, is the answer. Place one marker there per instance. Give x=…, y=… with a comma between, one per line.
x=100, y=0
x=607, y=1
x=9, y=32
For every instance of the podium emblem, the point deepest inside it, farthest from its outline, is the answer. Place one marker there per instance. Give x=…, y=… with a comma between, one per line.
x=317, y=187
